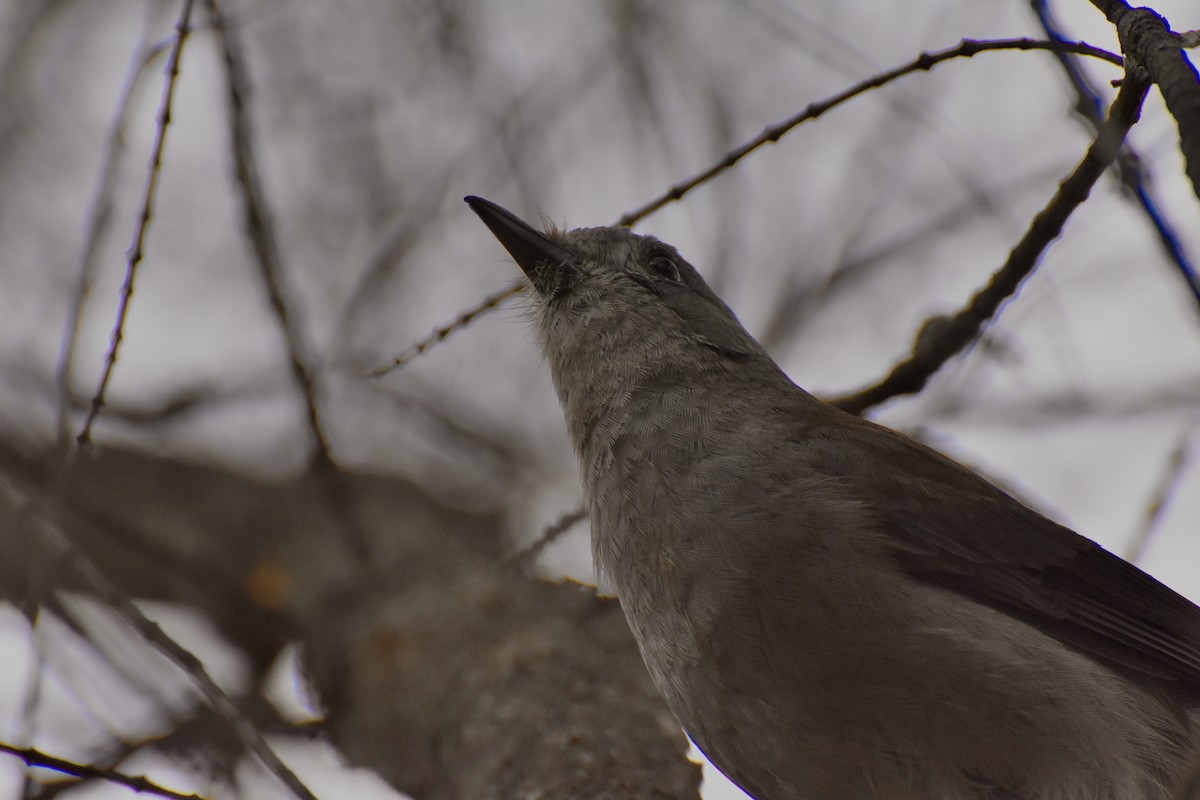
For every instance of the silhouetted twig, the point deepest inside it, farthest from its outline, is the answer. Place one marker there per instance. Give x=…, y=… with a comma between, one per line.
x=98, y=220
x=137, y=249
x=943, y=337
x=773, y=133
x=36, y=758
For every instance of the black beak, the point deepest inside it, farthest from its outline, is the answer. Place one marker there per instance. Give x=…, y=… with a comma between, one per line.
x=534, y=253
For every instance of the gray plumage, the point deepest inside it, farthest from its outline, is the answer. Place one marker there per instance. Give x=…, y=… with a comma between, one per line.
x=832, y=610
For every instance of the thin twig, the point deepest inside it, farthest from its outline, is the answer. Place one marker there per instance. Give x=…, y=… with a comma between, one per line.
x=526, y=556
x=943, y=337
x=773, y=133
x=1129, y=165
x=440, y=334
x=260, y=226
x=137, y=249
x=1172, y=473
x=71, y=558
x=138, y=783
x=97, y=224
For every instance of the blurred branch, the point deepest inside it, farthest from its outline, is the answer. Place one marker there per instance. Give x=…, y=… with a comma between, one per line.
x=72, y=559
x=36, y=758
x=788, y=315
x=1044, y=411
x=1169, y=481
x=136, y=250
x=1129, y=165
x=186, y=401
x=841, y=49
x=773, y=133
x=518, y=123
x=260, y=228
x=474, y=684
x=200, y=737
x=522, y=559
x=1149, y=41
x=941, y=338
x=455, y=423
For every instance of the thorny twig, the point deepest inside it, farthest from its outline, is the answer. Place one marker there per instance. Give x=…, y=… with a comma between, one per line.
x=138, y=783
x=440, y=333
x=773, y=133
x=98, y=220
x=137, y=249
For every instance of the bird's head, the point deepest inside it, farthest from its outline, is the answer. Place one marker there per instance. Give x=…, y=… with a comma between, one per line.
x=610, y=295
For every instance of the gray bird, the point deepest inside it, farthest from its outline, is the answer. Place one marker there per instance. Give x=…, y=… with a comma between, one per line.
x=832, y=610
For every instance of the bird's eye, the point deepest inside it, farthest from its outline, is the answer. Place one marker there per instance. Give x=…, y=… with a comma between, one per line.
x=664, y=267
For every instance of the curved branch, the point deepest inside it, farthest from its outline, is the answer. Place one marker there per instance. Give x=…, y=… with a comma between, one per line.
x=964, y=49
x=261, y=231
x=1129, y=164
x=138, y=783
x=942, y=338
x=924, y=62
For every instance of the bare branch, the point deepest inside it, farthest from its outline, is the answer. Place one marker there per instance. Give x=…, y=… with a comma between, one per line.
x=925, y=61
x=1172, y=473
x=137, y=249
x=440, y=334
x=528, y=555
x=138, y=783
x=70, y=558
x=97, y=224
x=773, y=133
x=260, y=227
x=1129, y=165
x=1148, y=40
x=943, y=337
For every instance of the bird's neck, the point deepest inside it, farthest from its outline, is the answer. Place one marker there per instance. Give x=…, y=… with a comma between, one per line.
x=660, y=434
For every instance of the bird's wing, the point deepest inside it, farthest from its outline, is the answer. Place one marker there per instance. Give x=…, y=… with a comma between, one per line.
x=952, y=529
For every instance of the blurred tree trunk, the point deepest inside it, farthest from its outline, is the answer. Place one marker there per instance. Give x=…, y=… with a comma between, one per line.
x=437, y=665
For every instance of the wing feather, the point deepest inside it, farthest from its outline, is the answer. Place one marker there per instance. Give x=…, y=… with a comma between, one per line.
x=949, y=527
